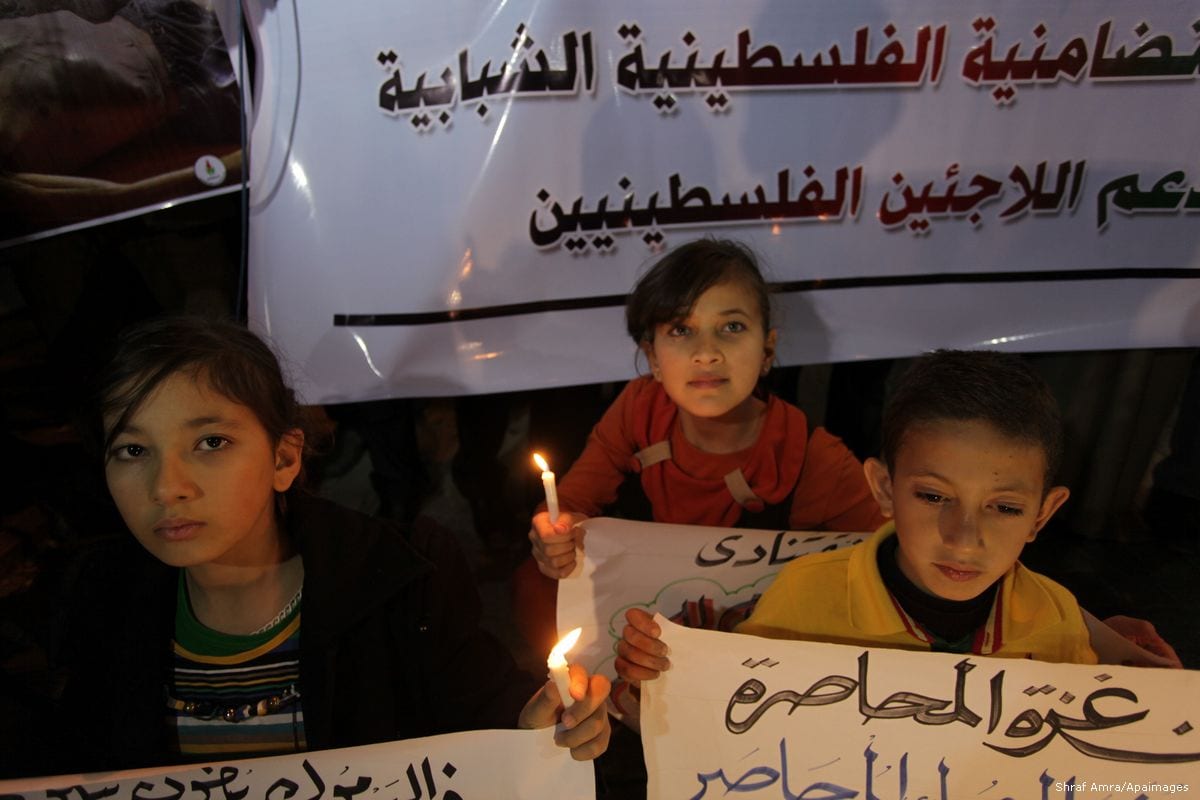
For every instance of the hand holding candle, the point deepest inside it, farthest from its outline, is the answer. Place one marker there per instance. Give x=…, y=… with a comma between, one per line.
x=557, y=663
x=581, y=725
x=548, y=485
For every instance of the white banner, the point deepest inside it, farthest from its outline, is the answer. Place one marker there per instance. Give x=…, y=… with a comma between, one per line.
x=453, y=197
x=521, y=765
x=767, y=718
x=703, y=577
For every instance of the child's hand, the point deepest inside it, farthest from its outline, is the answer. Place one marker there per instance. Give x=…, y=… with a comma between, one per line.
x=641, y=655
x=1130, y=642
x=1142, y=633
x=583, y=727
x=554, y=545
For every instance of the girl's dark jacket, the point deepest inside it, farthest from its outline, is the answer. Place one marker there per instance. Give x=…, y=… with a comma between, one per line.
x=390, y=644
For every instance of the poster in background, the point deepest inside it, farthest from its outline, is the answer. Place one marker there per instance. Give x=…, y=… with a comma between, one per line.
x=752, y=717
x=111, y=109
x=515, y=765
x=454, y=197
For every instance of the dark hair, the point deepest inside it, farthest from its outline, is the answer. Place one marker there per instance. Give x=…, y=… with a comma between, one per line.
x=669, y=290
x=985, y=385
x=233, y=360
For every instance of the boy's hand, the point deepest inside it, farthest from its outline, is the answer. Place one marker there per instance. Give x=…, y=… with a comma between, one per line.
x=583, y=727
x=1142, y=633
x=1130, y=642
x=641, y=655
x=554, y=545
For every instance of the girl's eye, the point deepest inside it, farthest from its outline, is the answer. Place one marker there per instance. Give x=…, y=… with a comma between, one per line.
x=933, y=498
x=735, y=327
x=212, y=443
x=128, y=452
x=678, y=330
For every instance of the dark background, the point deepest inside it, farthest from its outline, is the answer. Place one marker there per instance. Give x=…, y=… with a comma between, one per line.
x=1125, y=543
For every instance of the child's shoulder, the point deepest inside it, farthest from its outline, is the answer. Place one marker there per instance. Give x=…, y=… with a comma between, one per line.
x=1032, y=590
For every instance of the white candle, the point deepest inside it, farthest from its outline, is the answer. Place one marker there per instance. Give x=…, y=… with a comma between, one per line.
x=557, y=663
x=548, y=486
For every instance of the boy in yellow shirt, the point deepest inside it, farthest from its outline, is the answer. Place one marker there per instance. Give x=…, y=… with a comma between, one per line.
x=971, y=442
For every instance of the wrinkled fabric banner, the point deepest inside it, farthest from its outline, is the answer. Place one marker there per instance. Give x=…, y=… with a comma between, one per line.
x=455, y=197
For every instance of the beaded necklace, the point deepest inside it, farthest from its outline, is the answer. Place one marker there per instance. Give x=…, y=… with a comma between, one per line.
x=283, y=625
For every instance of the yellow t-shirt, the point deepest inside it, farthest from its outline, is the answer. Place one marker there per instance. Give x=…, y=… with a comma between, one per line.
x=840, y=597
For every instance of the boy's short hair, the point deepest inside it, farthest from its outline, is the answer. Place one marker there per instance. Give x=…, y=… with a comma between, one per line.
x=985, y=385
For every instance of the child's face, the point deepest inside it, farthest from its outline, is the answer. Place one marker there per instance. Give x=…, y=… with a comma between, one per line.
x=966, y=499
x=710, y=362
x=194, y=476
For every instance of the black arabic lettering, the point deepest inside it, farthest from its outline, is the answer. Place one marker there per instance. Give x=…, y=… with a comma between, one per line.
x=1124, y=195
x=226, y=776
x=290, y=787
x=347, y=792
x=83, y=792
x=524, y=79
x=753, y=690
x=142, y=787
x=694, y=205
x=725, y=552
x=923, y=709
x=448, y=769
x=1031, y=722
x=1152, y=59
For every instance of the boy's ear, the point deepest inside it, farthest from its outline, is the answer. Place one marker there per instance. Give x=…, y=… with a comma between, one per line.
x=1055, y=497
x=769, y=350
x=880, y=481
x=288, y=459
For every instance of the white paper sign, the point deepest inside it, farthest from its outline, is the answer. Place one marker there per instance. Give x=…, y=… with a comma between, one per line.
x=705, y=577
x=475, y=765
x=757, y=717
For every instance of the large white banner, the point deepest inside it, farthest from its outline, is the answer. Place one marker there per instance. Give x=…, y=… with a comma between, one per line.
x=455, y=196
x=699, y=576
x=516, y=765
x=765, y=718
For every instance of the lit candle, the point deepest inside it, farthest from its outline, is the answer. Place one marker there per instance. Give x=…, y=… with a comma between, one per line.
x=548, y=485
x=557, y=663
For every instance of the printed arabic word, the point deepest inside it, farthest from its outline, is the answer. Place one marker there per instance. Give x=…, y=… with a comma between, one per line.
x=1150, y=60
x=1166, y=197
x=764, y=67
x=521, y=80
x=695, y=206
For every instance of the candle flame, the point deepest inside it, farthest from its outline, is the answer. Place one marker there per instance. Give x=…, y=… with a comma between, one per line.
x=558, y=654
x=543, y=466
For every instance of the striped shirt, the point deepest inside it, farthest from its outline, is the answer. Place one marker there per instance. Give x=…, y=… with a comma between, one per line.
x=234, y=696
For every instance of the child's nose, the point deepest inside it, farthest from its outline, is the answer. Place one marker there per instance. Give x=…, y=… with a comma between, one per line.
x=172, y=481
x=960, y=529
x=708, y=349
